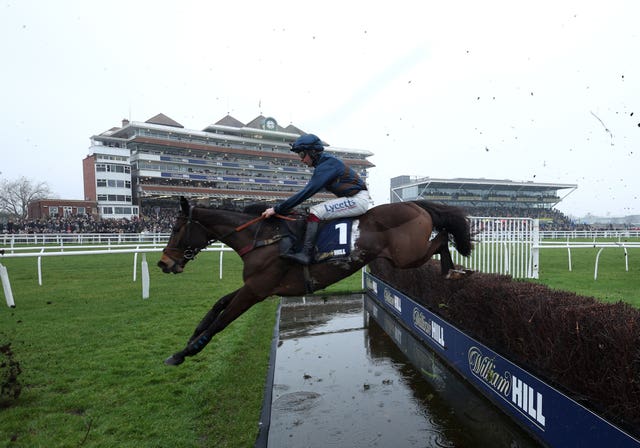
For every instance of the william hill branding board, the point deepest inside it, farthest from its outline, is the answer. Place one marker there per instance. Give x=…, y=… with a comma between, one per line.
x=546, y=413
x=508, y=386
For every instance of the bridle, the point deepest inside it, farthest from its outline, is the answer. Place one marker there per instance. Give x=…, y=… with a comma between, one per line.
x=189, y=252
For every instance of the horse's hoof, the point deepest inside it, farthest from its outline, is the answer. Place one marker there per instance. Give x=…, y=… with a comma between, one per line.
x=174, y=360
x=455, y=274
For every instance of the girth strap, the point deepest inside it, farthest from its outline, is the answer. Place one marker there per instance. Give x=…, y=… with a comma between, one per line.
x=261, y=243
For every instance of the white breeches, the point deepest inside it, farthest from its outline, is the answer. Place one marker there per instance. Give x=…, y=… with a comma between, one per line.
x=342, y=207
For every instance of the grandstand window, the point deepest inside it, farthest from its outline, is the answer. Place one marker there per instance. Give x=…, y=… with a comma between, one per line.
x=118, y=169
x=81, y=211
x=101, y=167
x=53, y=211
x=101, y=182
x=410, y=192
x=107, y=210
x=117, y=183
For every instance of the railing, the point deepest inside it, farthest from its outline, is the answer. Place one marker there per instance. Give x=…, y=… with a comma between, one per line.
x=588, y=234
x=503, y=246
x=590, y=245
x=12, y=239
x=57, y=251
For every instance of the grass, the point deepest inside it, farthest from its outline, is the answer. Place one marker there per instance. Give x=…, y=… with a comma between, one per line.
x=91, y=352
x=613, y=284
x=91, y=349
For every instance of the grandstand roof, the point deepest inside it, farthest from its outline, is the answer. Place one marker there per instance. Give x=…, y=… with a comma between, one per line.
x=228, y=120
x=487, y=184
x=164, y=120
x=479, y=192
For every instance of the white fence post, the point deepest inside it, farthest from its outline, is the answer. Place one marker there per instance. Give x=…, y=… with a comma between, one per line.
x=221, y=252
x=145, y=277
x=535, y=250
x=6, y=286
x=40, y=268
x=135, y=264
x=595, y=270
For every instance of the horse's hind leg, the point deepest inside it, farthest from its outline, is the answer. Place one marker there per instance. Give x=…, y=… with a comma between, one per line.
x=212, y=315
x=447, y=268
x=446, y=262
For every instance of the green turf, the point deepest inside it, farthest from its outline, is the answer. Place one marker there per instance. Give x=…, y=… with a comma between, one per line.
x=91, y=352
x=614, y=283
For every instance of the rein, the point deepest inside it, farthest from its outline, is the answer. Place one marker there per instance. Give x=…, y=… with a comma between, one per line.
x=255, y=220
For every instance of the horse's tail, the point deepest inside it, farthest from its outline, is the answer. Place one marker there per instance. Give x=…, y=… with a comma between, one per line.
x=453, y=220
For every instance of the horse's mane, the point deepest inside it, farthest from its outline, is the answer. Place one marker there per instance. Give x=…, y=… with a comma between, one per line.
x=255, y=209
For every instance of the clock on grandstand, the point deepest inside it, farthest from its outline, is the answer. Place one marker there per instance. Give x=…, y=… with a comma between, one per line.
x=270, y=124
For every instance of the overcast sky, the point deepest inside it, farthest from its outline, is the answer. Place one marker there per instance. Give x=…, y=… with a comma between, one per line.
x=544, y=91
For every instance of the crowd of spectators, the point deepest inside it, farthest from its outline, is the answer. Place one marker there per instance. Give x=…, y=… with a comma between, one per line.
x=160, y=220
x=550, y=219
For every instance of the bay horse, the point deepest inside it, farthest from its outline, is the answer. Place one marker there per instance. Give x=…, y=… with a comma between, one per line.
x=399, y=232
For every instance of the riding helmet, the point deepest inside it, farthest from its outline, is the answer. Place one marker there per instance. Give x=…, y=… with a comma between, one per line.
x=307, y=142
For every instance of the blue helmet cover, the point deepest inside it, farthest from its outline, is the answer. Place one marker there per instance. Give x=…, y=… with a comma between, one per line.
x=307, y=142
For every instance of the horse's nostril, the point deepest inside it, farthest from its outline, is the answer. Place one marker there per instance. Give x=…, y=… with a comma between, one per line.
x=164, y=266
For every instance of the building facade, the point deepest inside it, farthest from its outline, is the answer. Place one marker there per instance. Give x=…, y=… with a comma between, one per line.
x=474, y=193
x=142, y=166
x=61, y=208
x=106, y=174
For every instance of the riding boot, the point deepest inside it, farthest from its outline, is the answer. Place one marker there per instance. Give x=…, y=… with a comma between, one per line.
x=304, y=256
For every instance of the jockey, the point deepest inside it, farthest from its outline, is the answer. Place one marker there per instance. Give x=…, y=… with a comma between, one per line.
x=329, y=173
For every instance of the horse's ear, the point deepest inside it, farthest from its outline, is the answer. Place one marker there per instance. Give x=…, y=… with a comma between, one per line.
x=184, y=205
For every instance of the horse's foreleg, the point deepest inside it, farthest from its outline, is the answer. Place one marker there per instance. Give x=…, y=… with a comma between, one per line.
x=235, y=305
x=213, y=313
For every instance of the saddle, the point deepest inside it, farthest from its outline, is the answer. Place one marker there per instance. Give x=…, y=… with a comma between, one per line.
x=335, y=238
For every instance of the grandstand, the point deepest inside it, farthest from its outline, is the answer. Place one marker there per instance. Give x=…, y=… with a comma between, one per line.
x=150, y=164
x=476, y=194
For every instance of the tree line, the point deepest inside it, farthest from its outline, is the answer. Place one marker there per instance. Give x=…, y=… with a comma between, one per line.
x=15, y=195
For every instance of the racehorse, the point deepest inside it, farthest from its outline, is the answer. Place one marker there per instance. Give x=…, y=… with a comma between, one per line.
x=399, y=232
